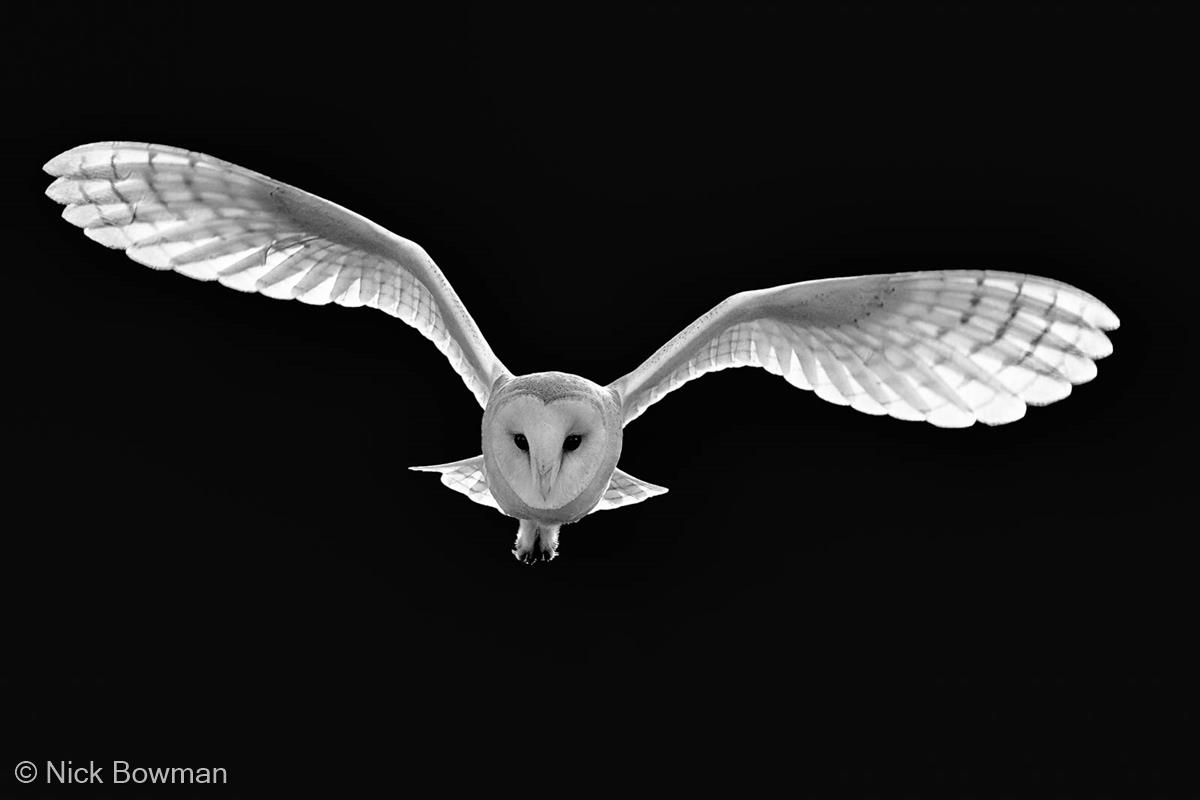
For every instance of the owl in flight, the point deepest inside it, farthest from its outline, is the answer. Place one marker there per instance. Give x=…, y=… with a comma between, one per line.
x=947, y=347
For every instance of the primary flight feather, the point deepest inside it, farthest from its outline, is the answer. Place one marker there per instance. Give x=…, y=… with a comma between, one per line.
x=946, y=347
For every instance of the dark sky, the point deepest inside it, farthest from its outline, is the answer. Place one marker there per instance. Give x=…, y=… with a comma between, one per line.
x=216, y=549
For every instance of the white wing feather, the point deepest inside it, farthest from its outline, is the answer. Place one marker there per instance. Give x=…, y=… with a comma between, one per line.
x=465, y=477
x=948, y=347
x=624, y=489
x=172, y=209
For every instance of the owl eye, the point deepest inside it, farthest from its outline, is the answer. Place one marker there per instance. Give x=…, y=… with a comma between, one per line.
x=522, y=442
x=572, y=442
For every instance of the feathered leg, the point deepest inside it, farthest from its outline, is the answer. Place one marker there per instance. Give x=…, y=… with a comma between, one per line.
x=536, y=541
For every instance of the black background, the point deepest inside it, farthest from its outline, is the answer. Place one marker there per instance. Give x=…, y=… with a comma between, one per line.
x=215, y=554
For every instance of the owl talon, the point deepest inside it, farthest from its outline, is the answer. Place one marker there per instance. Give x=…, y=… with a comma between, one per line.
x=534, y=555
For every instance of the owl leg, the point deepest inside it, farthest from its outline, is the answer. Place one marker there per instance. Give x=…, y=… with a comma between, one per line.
x=536, y=541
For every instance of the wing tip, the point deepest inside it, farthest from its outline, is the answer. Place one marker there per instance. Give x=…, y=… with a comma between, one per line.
x=67, y=161
x=1107, y=319
x=60, y=190
x=58, y=166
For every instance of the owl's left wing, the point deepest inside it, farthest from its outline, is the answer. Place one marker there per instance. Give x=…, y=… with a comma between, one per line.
x=946, y=347
x=209, y=219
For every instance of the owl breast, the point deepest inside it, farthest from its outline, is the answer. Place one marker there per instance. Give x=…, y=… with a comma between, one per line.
x=551, y=442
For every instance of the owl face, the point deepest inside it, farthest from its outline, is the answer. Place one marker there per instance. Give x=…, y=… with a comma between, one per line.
x=548, y=452
x=551, y=449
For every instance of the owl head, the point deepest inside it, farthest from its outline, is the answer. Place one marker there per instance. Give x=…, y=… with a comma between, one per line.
x=550, y=444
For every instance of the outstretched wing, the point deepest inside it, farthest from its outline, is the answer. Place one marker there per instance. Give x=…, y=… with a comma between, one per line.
x=624, y=489
x=172, y=209
x=465, y=477
x=946, y=347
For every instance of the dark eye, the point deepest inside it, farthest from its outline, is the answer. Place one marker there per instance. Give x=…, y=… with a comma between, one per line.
x=522, y=442
x=572, y=442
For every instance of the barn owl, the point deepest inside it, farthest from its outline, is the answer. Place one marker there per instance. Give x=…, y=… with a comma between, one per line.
x=946, y=347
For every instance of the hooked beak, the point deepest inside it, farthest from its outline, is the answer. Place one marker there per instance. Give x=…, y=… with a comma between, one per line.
x=547, y=474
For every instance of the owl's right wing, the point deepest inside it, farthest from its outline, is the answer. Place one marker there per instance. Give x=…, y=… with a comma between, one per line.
x=947, y=347
x=208, y=219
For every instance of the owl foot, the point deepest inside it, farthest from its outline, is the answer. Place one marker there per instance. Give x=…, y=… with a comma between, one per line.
x=536, y=542
x=533, y=556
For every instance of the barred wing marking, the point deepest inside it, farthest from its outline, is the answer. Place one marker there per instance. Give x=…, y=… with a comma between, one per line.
x=948, y=347
x=173, y=209
x=466, y=477
x=624, y=490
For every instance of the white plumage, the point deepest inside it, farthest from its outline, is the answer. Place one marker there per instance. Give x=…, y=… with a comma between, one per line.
x=947, y=347
x=211, y=220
